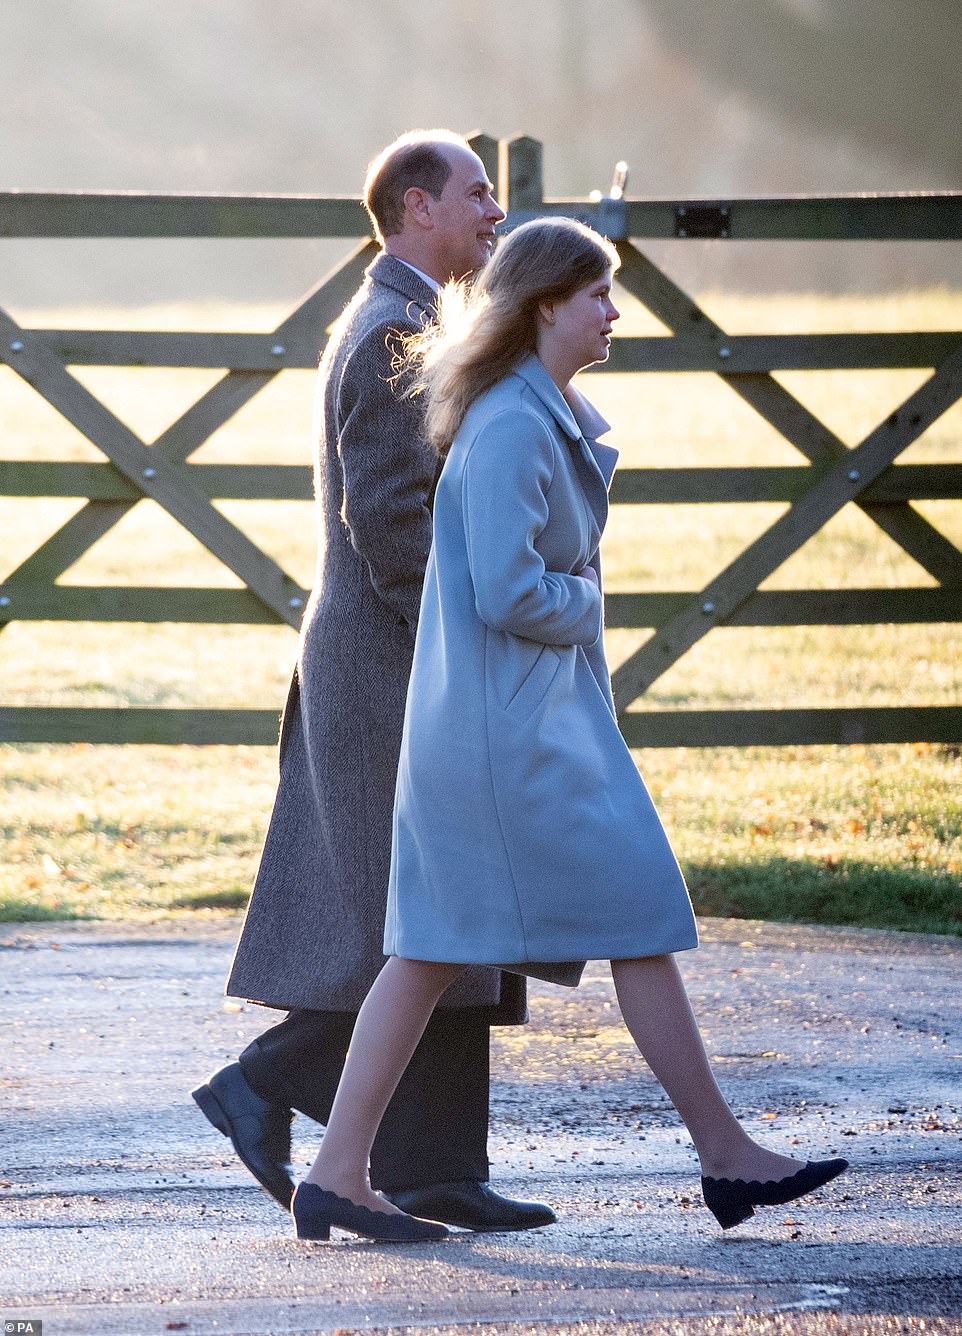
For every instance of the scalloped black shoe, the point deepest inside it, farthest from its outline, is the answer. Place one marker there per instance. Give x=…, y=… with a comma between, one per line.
x=315, y=1211
x=731, y=1200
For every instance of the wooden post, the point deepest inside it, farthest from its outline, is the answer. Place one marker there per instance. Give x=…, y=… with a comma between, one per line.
x=522, y=173
x=486, y=147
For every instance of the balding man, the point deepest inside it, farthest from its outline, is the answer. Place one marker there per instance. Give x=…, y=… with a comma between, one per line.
x=312, y=938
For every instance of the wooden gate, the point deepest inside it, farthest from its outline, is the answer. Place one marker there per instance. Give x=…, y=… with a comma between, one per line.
x=833, y=476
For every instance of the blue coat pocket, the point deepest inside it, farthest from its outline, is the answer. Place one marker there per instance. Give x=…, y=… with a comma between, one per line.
x=536, y=683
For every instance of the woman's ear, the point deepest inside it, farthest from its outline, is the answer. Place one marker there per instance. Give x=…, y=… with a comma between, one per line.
x=546, y=311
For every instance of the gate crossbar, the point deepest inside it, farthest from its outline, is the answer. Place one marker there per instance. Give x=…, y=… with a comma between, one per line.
x=833, y=476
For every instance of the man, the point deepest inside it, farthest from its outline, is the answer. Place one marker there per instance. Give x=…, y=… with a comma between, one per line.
x=312, y=938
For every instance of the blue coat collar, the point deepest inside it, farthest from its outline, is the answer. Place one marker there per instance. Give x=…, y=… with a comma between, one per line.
x=533, y=370
x=581, y=421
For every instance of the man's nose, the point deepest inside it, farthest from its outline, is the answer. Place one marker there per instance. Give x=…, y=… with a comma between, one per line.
x=613, y=312
x=495, y=212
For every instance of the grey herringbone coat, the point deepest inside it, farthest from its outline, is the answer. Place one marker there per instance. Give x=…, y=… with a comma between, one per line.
x=314, y=927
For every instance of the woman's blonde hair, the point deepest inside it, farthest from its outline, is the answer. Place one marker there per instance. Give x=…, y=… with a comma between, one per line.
x=485, y=329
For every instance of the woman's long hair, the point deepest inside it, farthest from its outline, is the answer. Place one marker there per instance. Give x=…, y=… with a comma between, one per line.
x=485, y=329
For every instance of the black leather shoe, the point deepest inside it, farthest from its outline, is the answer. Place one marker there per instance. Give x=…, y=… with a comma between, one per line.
x=315, y=1211
x=731, y=1200
x=260, y=1132
x=472, y=1205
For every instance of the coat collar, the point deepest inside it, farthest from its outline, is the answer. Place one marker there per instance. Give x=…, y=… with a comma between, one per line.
x=532, y=370
x=580, y=421
x=394, y=273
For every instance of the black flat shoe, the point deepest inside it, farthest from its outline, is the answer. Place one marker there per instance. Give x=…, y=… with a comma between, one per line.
x=259, y=1132
x=470, y=1204
x=315, y=1211
x=731, y=1200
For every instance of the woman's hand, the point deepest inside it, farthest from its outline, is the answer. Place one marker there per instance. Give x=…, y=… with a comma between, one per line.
x=588, y=573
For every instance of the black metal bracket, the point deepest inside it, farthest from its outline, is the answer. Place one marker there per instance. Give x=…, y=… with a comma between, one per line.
x=709, y=221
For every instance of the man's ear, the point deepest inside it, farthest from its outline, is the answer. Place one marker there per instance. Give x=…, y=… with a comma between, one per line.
x=418, y=204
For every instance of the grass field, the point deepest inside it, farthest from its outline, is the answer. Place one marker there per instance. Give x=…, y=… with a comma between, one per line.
x=853, y=835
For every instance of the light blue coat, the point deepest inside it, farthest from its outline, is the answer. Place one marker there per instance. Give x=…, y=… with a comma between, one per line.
x=523, y=833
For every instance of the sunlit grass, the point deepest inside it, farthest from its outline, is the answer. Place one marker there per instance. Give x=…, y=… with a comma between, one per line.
x=128, y=832
x=871, y=835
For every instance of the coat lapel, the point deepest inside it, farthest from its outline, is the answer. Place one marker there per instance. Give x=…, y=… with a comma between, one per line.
x=582, y=424
x=592, y=425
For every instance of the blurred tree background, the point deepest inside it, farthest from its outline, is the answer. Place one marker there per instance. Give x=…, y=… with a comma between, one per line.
x=724, y=98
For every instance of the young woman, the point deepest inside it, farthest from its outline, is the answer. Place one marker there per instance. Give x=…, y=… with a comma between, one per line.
x=523, y=835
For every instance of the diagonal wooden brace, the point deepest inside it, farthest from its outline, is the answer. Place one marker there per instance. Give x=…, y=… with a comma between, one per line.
x=317, y=310
x=149, y=471
x=834, y=489
x=921, y=540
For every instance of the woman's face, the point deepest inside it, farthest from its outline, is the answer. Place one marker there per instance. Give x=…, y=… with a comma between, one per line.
x=582, y=323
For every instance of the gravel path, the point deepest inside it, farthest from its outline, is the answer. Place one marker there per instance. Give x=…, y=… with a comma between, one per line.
x=122, y=1211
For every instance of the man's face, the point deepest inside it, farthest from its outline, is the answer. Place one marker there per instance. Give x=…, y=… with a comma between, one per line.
x=465, y=216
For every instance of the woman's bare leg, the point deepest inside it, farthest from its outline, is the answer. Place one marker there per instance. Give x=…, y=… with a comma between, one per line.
x=658, y=1014
x=389, y=1026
